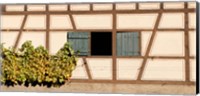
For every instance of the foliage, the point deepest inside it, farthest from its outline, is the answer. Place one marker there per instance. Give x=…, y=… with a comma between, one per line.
x=35, y=65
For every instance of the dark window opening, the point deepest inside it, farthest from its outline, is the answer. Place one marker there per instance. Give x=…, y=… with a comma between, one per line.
x=101, y=43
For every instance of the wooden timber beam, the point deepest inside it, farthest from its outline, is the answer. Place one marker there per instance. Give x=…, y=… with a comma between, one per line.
x=101, y=12
x=114, y=50
x=71, y=18
x=102, y=30
x=21, y=30
x=187, y=49
x=149, y=46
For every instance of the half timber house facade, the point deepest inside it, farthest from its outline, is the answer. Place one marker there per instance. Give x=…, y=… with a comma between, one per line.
x=135, y=42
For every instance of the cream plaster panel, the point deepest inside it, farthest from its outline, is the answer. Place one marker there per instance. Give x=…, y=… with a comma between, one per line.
x=14, y=7
x=191, y=4
x=136, y=21
x=57, y=41
x=146, y=35
x=80, y=71
x=168, y=44
x=193, y=70
x=173, y=5
x=128, y=69
x=126, y=6
x=80, y=7
x=58, y=7
x=172, y=20
x=35, y=22
x=192, y=39
x=8, y=38
x=102, y=7
x=93, y=21
x=7, y=21
x=100, y=68
x=192, y=20
x=149, y=6
x=164, y=69
x=37, y=38
x=60, y=22
x=36, y=8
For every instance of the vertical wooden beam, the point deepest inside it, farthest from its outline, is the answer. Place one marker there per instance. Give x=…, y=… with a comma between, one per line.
x=137, y=6
x=91, y=7
x=71, y=18
x=3, y=8
x=187, y=50
x=87, y=69
x=47, y=27
x=149, y=46
x=21, y=30
x=114, y=36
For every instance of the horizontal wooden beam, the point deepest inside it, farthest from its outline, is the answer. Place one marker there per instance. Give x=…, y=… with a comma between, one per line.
x=99, y=12
x=97, y=30
x=135, y=81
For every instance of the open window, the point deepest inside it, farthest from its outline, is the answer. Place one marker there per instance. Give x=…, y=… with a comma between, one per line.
x=101, y=43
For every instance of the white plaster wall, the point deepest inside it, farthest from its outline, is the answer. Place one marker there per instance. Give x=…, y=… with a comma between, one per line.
x=168, y=44
x=145, y=36
x=136, y=21
x=172, y=20
x=191, y=4
x=60, y=22
x=97, y=21
x=128, y=69
x=57, y=40
x=58, y=7
x=173, y=5
x=7, y=21
x=164, y=69
x=125, y=6
x=102, y=7
x=80, y=71
x=36, y=8
x=8, y=38
x=14, y=7
x=192, y=43
x=80, y=7
x=100, y=68
x=192, y=20
x=149, y=6
x=35, y=22
x=193, y=69
x=37, y=38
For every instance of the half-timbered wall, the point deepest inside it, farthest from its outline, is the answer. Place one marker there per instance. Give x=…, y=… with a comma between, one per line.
x=167, y=37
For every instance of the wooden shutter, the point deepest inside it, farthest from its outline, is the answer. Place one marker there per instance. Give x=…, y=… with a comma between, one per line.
x=79, y=42
x=128, y=44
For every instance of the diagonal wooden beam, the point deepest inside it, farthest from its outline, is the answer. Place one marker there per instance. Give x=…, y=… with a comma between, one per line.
x=187, y=50
x=21, y=30
x=149, y=46
x=71, y=18
x=87, y=68
x=47, y=28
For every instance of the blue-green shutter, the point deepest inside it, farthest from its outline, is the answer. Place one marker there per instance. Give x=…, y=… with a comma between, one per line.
x=127, y=44
x=79, y=42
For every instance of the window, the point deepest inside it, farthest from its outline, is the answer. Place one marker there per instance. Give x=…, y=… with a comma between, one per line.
x=79, y=42
x=100, y=43
x=128, y=44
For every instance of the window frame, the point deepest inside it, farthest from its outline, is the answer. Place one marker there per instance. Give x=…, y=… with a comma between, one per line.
x=101, y=56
